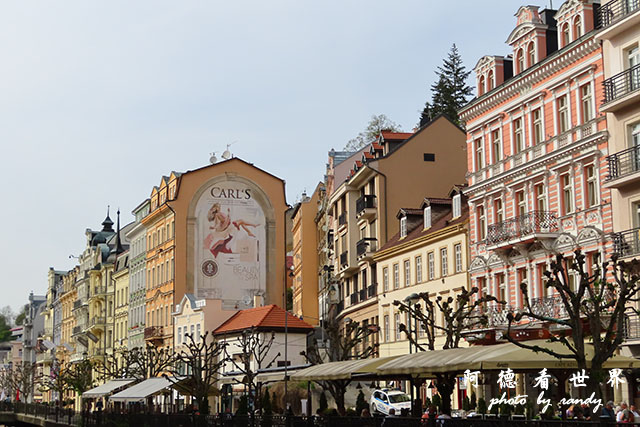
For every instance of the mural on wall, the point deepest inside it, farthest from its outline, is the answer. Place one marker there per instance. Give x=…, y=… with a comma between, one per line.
x=230, y=245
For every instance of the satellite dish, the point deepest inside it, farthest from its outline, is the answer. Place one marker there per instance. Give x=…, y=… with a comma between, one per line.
x=227, y=154
x=213, y=159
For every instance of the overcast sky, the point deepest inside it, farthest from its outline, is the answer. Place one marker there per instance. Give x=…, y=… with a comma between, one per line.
x=99, y=99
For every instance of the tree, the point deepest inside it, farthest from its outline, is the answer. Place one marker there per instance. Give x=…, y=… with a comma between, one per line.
x=459, y=313
x=197, y=368
x=137, y=363
x=5, y=329
x=22, y=316
x=56, y=381
x=376, y=125
x=79, y=376
x=255, y=354
x=341, y=345
x=450, y=92
x=593, y=312
x=19, y=379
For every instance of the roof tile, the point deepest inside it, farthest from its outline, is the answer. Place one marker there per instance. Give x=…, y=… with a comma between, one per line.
x=267, y=317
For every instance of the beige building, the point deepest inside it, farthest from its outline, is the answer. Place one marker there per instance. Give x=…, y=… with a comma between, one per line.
x=381, y=180
x=196, y=317
x=121, y=319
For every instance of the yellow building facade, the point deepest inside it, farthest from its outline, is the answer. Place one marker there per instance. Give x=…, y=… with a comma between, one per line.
x=121, y=319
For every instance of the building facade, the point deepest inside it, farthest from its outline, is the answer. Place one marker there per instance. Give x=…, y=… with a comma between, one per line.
x=121, y=279
x=137, y=277
x=537, y=144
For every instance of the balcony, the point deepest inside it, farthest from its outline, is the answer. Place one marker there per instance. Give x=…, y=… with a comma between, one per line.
x=632, y=327
x=98, y=292
x=354, y=298
x=153, y=333
x=342, y=219
x=362, y=294
x=344, y=259
x=622, y=89
x=97, y=322
x=77, y=330
x=623, y=167
x=372, y=290
x=366, y=207
x=366, y=247
x=617, y=16
x=530, y=226
x=626, y=243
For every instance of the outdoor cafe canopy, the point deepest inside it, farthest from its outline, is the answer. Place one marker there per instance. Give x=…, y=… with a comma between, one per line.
x=107, y=388
x=141, y=391
x=340, y=370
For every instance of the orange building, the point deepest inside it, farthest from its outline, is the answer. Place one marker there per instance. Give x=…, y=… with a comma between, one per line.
x=217, y=232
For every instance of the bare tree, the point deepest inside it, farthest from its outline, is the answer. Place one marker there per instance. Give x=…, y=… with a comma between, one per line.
x=20, y=380
x=55, y=381
x=459, y=313
x=350, y=343
x=590, y=311
x=376, y=125
x=79, y=376
x=197, y=366
x=137, y=363
x=255, y=355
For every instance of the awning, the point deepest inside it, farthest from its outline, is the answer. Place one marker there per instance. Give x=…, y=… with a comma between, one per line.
x=107, y=388
x=231, y=379
x=141, y=391
x=341, y=370
x=491, y=357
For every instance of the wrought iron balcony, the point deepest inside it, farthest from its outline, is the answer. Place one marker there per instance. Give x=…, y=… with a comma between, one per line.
x=97, y=321
x=153, y=332
x=342, y=219
x=549, y=307
x=344, y=259
x=615, y=11
x=627, y=243
x=77, y=304
x=623, y=163
x=365, y=205
x=77, y=330
x=520, y=228
x=622, y=84
x=362, y=294
x=365, y=246
x=632, y=326
x=97, y=291
x=372, y=290
x=354, y=298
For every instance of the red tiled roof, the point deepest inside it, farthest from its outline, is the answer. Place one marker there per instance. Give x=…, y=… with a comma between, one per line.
x=358, y=163
x=377, y=146
x=396, y=135
x=269, y=317
x=368, y=155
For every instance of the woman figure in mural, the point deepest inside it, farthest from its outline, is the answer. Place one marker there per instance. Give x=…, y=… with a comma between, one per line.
x=221, y=227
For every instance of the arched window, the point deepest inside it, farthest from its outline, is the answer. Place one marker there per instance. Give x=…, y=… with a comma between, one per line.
x=531, y=54
x=481, y=85
x=490, y=81
x=520, y=60
x=577, y=27
x=566, y=37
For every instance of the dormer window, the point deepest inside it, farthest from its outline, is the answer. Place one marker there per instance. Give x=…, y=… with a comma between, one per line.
x=427, y=217
x=531, y=54
x=520, y=60
x=577, y=27
x=403, y=227
x=566, y=36
x=457, y=207
x=481, y=86
x=490, y=81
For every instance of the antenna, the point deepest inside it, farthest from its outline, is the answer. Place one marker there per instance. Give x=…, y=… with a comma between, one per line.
x=227, y=154
x=213, y=159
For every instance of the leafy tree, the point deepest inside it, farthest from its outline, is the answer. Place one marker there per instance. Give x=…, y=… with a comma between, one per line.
x=79, y=376
x=593, y=312
x=459, y=313
x=361, y=403
x=197, y=366
x=5, y=329
x=342, y=345
x=22, y=316
x=376, y=125
x=450, y=92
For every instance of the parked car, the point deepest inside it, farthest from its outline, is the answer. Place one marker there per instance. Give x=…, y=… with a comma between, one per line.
x=384, y=399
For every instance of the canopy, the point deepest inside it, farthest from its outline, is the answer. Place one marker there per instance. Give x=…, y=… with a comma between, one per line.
x=107, y=388
x=492, y=357
x=146, y=388
x=343, y=370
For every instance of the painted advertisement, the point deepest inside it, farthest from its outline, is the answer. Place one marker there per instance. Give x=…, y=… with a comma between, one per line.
x=230, y=245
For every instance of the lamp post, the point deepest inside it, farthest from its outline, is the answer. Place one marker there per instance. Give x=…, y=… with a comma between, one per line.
x=410, y=300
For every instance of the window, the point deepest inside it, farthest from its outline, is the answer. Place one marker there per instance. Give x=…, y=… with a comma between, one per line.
x=481, y=85
x=531, y=54
x=490, y=81
x=482, y=223
x=457, y=250
x=396, y=319
x=444, y=263
x=403, y=227
x=386, y=328
x=502, y=288
x=385, y=279
x=592, y=191
x=499, y=212
x=457, y=206
x=479, y=155
x=407, y=273
x=179, y=335
x=495, y=145
x=566, y=37
x=567, y=194
x=633, y=59
x=587, y=110
x=537, y=126
x=198, y=332
x=432, y=267
x=427, y=217
x=541, y=199
x=419, y=269
x=521, y=202
x=396, y=276
x=563, y=114
x=520, y=60
x=577, y=27
x=518, y=136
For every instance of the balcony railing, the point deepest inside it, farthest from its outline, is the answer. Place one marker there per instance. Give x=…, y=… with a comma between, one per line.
x=621, y=84
x=371, y=290
x=616, y=10
x=77, y=304
x=632, y=326
x=627, y=243
x=98, y=320
x=367, y=244
x=77, y=330
x=623, y=163
x=362, y=294
x=365, y=202
x=152, y=332
x=525, y=225
x=354, y=298
x=98, y=290
x=342, y=219
x=344, y=258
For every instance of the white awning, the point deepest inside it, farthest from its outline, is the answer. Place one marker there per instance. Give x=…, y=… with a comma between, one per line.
x=107, y=388
x=143, y=390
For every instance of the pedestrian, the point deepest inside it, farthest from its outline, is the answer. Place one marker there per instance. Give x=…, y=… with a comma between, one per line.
x=621, y=413
x=607, y=412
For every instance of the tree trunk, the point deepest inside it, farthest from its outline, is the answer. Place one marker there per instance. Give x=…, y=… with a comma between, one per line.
x=338, y=396
x=446, y=385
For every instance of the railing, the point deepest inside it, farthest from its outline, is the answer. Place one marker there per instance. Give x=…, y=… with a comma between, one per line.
x=529, y=223
x=616, y=10
x=342, y=219
x=97, y=320
x=365, y=202
x=626, y=243
x=151, y=332
x=77, y=330
x=344, y=258
x=362, y=294
x=632, y=326
x=98, y=290
x=354, y=298
x=367, y=244
x=621, y=84
x=371, y=290
x=60, y=416
x=77, y=304
x=549, y=307
x=623, y=163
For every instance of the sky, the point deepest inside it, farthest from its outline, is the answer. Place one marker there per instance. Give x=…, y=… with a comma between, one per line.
x=99, y=99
